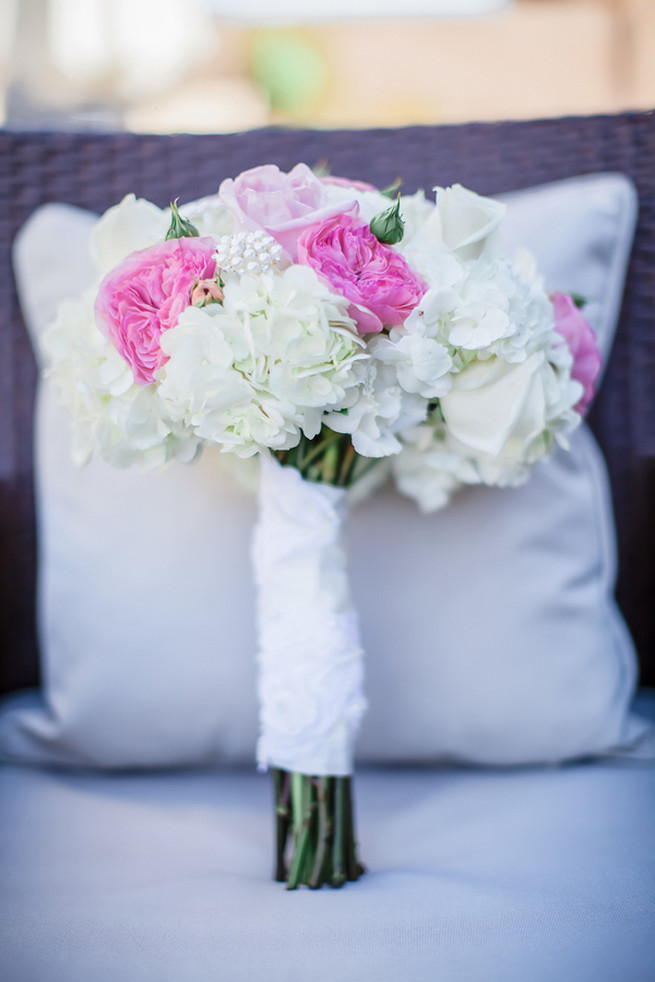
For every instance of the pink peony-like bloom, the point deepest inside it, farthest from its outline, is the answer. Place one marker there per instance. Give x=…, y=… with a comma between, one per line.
x=284, y=205
x=144, y=296
x=581, y=340
x=381, y=287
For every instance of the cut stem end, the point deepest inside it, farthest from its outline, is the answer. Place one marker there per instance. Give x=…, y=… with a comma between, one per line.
x=315, y=831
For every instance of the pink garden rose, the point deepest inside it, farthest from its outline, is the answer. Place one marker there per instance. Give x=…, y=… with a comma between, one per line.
x=381, y=287
x=284, y=205
x=144, y=296
x=581, y=340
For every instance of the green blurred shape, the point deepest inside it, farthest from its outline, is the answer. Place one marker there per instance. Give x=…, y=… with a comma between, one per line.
x=290, y=68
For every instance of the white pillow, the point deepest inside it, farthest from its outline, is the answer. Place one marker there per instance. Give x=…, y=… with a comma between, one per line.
x=490, y=628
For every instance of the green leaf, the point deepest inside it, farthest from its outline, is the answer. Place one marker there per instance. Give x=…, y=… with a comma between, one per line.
x=579, y=300
x=321, y=168
x=180, y=228
x=392, y=190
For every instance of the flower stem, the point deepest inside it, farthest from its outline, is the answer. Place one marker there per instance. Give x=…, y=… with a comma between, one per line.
x=338, y=864
x=308, y=451
x=317, y=874
x=316, y=815
x=281, y=783
x=330, y=463
x=347, y=462
x=353, y=866
x=301, y=809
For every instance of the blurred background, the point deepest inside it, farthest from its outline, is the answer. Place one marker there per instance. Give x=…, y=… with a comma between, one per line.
x=226, y=65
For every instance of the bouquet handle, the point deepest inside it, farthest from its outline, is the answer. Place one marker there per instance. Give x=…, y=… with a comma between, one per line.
x=310, y=680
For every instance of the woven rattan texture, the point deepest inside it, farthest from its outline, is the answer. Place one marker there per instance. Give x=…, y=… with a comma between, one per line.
x=94, y=171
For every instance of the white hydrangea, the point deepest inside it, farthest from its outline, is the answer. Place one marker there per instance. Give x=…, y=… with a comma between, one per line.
x=427, y=470
x=122, y=422
x=420, y=364
x=484, y=308
x=376, y=410
x=262, y=367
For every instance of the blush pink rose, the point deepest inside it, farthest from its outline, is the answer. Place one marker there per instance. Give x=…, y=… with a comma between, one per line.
x=345, y=182
x=144, y=296
x=581, y=340
x=381, y=287
x=284, y=205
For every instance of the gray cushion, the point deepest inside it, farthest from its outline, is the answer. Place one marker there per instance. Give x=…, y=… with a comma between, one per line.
x=519, y=875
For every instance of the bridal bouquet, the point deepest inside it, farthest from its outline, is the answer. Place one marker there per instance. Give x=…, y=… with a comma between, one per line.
x=342, y=333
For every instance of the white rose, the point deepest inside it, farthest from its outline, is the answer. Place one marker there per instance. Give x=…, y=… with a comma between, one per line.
x=131, y=225
x=498, y=407
x=415, y=210
x=470, y=224
x=209, y=215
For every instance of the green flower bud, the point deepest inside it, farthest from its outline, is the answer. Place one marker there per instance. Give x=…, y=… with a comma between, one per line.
x=180, y=227
x=387, y=227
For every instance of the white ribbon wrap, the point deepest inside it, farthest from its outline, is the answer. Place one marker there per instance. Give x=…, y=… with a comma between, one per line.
x=310, y=658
